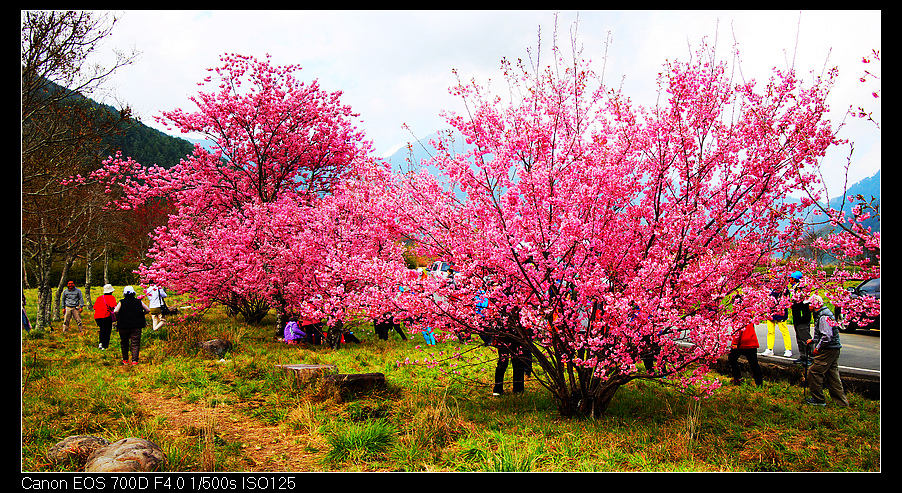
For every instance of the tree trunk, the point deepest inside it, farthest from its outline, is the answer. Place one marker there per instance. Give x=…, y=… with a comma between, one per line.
x=25, y=284
x=45, y=307
x=333, y=337
x=583, y=399
x=44, y=315
x=302, y=374
x=106, y=263
x=602, y=399
x=281, y=315
x=88, y=262
x=357, y=382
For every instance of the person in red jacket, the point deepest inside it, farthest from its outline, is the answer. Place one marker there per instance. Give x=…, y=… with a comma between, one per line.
x=745, y=343
x=103, y=315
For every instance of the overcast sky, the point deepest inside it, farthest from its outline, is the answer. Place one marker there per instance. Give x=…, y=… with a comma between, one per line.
x=395, y=67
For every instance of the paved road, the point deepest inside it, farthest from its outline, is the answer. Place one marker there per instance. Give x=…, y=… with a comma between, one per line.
x=860, y=350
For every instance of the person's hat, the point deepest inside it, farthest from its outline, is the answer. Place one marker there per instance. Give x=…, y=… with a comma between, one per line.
x=815, y=300
x=796, y=275
x=128, y=290
x=107, y=289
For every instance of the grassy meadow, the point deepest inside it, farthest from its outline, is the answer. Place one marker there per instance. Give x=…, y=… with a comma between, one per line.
x=243, y=413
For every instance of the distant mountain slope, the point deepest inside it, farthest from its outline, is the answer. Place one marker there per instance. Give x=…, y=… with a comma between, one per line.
x=868, y=188
x=412, y=154
x=144, y=144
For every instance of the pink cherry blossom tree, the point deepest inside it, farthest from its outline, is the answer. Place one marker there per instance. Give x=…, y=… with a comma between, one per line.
x=609, y=239
x=281, y=149
x=338, y=259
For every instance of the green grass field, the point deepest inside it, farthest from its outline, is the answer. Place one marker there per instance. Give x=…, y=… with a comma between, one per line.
x=243, y=413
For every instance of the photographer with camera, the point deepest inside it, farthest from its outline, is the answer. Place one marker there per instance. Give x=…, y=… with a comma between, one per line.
x=825, y=351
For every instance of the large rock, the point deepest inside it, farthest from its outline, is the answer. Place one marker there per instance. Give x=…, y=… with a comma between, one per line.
x=127, y=455
x=75, y=448
x=216, y=347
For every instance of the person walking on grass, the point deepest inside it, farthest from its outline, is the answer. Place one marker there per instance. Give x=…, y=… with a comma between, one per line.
x=745, y=343
x=104, y=317
x=130, y=313
x=26, y=325
x=72, y=301
x=826, y=348
x=510, y=350
x=155, y=295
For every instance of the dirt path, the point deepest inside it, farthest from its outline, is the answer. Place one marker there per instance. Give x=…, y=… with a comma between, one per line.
x=266, y=447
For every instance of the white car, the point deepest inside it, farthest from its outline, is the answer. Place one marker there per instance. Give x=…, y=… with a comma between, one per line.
x=443, y=270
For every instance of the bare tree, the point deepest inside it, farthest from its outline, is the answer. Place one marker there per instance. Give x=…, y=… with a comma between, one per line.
x=63, y=135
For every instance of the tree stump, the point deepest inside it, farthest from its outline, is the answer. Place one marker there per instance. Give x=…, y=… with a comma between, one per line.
x=304, y=374
x=355, y=382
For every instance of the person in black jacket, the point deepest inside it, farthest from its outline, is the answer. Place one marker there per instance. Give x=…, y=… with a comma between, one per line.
x=386, y=323
x=801, y=317
x=510, y=350
x=130, y=321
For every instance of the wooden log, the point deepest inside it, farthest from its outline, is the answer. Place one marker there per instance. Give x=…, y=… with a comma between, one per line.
x=304, y=374
x=355, y=381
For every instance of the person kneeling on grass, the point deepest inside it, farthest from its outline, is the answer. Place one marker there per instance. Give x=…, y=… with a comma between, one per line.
x=293, y=332
x=826, y=348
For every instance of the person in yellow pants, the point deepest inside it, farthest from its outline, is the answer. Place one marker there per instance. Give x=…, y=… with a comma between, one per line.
x=778, y=320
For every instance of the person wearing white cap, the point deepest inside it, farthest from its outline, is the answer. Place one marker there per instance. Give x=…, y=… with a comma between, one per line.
x=103, y=315
x=130, y=321
x=826, y=348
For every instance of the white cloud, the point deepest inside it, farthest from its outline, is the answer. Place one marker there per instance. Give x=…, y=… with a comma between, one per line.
x=394, y=67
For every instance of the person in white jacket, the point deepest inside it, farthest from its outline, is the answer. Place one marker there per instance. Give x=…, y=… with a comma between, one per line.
x=155, y=295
